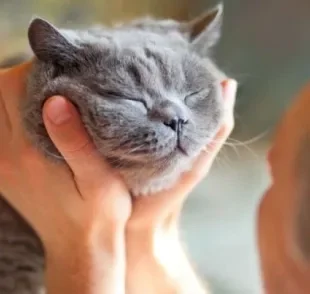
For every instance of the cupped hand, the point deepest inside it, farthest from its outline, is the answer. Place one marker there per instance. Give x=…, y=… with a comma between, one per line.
x=63, y=203
x=86, y=196
x=164, y=207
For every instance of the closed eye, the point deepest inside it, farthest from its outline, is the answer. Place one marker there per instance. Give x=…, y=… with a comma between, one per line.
x=138, y=101
x=192, y=94
x=197, y=95
x=120, y=96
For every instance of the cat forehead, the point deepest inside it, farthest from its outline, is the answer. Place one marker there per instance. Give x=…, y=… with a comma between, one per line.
x=146, y=53
x=131, y=71
x=125, y=44
x=130, y=35
x=125, y=38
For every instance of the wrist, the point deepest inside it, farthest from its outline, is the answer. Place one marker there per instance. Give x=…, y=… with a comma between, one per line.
x=89, y=265
x=155, y=256
x=146, y=236
x=91, y=239
x=146, y=271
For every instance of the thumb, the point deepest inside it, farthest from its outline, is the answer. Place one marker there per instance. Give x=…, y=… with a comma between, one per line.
x=67, y=132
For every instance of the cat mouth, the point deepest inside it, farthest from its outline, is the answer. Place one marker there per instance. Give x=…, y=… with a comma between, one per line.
x=181, y=149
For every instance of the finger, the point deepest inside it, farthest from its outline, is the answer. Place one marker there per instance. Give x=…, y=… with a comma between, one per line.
x=67, y=131
x=13, y=83
x=229, y=88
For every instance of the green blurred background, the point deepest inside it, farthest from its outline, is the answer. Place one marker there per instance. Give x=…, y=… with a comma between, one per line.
x=265, y=46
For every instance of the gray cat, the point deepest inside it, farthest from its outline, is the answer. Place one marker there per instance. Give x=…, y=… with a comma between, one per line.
x=149, y=96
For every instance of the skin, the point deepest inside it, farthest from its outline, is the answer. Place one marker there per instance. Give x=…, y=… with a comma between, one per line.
x=84, y=214
x=137, y=227
x=152, y=230
x=284, y=262
x=79, y=220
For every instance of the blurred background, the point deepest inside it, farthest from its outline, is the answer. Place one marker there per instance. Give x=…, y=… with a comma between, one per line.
x=265, y=46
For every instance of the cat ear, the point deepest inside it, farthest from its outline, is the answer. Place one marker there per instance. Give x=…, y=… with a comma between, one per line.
x=49, y=44
x=205, y=30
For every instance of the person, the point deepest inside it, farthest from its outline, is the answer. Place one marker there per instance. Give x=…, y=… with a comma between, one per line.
x=283, y=218
x=96, y=238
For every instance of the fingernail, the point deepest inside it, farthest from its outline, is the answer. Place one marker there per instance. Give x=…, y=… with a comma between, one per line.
x=57, y=110
x=230, y=86
x=224, y=83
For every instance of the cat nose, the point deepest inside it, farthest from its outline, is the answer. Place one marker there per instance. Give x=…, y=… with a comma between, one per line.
x=176, y=123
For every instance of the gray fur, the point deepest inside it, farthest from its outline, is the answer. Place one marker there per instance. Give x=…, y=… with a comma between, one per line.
x=129, y=83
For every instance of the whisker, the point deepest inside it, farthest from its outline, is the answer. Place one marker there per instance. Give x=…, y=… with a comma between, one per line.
x=250, y=141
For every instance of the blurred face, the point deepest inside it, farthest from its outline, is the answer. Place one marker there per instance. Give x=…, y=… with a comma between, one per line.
x=282, y=218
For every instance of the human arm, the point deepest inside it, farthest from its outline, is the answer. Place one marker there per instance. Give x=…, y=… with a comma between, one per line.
x=284, y=210
x=156, y=260
x=79, y=211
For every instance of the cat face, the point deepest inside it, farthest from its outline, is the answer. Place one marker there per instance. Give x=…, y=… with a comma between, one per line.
x=148, y=95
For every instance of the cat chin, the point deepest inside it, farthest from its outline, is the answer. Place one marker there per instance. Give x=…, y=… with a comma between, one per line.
x=150, y=190
x=160, y=183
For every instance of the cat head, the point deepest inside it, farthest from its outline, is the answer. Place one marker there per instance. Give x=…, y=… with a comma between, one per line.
x=147, y=92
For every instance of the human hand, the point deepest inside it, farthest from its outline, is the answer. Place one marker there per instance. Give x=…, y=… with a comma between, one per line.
x=164, y=207
x=156, y=261
x=78, y=210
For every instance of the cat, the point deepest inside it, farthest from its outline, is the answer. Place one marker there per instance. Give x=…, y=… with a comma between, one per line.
x=148, y=94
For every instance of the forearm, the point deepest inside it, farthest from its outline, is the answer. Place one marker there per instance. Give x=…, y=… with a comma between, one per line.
x=88, y=269
x=157, y=263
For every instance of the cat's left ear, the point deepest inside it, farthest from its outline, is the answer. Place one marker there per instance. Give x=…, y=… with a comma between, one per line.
x=205, y=31
x=49, y=44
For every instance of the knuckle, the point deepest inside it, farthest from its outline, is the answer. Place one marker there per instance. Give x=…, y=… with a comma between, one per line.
x=76, y=147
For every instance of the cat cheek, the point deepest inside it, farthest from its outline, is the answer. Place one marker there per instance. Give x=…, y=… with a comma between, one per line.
x=136, y=105
x=196, y=103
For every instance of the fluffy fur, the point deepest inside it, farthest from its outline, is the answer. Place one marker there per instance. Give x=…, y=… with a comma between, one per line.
x=149, y=96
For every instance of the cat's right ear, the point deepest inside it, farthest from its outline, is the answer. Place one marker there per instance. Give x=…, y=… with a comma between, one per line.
x=49, y=44
x=205, y=30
